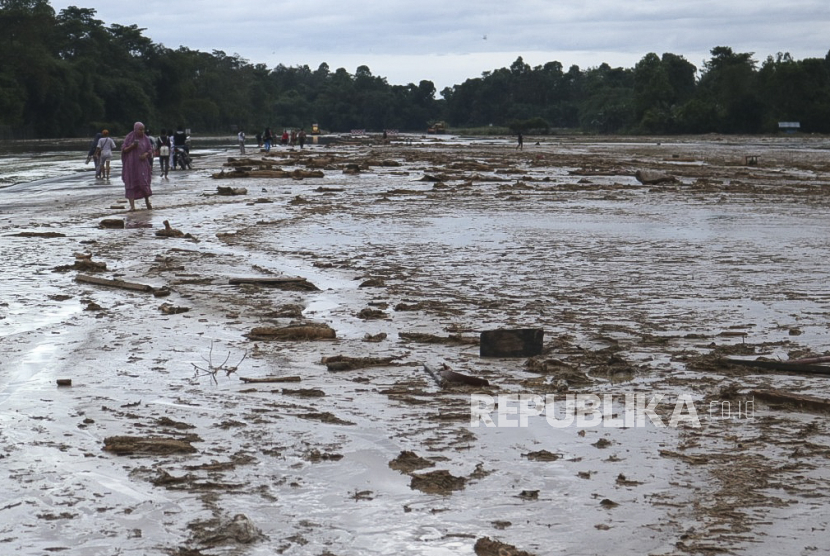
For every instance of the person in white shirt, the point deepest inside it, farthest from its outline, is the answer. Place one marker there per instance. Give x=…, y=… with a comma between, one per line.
x=105, y=147
x=241, y=137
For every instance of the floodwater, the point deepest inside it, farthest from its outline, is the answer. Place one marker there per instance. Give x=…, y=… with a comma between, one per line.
x=638, y=289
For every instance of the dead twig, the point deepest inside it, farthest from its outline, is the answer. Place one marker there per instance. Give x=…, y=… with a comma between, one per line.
x=213, y=370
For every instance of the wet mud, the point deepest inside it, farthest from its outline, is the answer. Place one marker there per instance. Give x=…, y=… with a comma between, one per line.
x=647, y=264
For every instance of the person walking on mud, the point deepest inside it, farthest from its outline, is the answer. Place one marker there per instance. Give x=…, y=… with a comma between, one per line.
x=104, y=152
x=241, y=138
x=521, y=141
x=136, y=171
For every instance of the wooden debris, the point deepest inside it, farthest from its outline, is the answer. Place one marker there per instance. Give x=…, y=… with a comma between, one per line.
x=287, y=283
x=38, y=234
x=64, y=382
x=112, y=283
x=169, y=231
x=801, y=401
x=346, y=363
x=782, y=366
x=271, y=379
x=519, y=342
x=267, y=172
x=811, y=360
x=293, y=332
x=452, y=339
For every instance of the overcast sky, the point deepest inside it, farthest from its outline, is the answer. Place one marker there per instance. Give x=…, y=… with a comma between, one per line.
x=448, y=42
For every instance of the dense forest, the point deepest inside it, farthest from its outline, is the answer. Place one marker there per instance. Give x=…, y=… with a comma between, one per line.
x=68, y=74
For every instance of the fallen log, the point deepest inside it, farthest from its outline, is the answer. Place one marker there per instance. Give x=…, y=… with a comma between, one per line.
x=811, y=360
x=782, y=366
x=800, y=400
x=271, y=379
x=112, y=283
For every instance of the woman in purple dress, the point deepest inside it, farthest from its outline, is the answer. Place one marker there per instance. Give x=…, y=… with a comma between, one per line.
x=136, y=171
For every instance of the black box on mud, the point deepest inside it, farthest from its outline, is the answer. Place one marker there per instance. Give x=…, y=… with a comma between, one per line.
x=517, y=342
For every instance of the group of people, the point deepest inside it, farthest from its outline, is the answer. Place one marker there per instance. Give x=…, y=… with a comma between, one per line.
x=267, y=138
x=137, y=153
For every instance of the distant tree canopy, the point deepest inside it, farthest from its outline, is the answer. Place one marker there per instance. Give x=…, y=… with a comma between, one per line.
x=68, y=74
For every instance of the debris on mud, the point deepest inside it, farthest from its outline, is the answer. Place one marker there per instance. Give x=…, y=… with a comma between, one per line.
x=169, y=309
x=312, y=331
x=285, y=283
x=148, y=445
x=408, y=461
x=169, y=231
x=424, y=338
x=486, y=546
x=231, y=191
x=437, y=482
x=339, y=363
x=114, y=283
x=542, y=455
x=112, y=223
x=219, y=532
x=84, y=263
x=653, y=177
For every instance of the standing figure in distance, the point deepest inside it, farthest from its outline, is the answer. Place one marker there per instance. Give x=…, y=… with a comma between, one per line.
x=136, y=171
x=104, y=151
x=301, y=138
x=164, y=153
x=241, y=138
x=268, y=137
x=520, y=144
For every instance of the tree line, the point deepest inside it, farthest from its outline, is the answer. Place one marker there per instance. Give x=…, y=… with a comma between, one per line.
x=69, y=74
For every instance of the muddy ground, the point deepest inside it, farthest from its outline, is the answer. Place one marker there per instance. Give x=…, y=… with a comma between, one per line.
x=250, y=379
